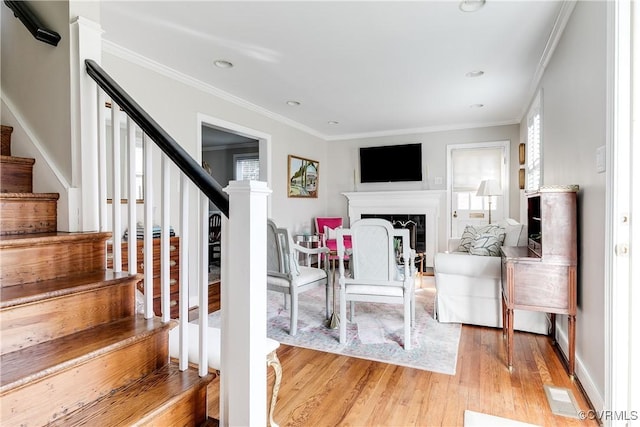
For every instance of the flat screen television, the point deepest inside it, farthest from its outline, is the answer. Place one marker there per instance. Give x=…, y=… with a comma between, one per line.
x=391, y=163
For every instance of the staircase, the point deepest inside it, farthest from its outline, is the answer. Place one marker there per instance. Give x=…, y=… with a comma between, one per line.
x=73, y=350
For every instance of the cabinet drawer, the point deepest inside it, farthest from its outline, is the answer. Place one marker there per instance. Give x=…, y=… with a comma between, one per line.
x=174, y=284
x=174, y=309
x=174, y=266
x=542, y=285
x=174, y=270
x=174, y=252
x=174, y=261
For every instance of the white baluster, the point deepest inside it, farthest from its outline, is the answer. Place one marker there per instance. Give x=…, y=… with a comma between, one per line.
x=164, y=242
x=148, y=227
x=131, y=197
x=115, y=183
x=184, y=271
x=203, y=280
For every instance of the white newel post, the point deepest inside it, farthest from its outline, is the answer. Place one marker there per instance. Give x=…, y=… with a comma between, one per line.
x=243, y=381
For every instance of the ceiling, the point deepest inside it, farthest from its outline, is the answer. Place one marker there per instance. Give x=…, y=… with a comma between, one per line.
x=216, y=139
x=375, y=68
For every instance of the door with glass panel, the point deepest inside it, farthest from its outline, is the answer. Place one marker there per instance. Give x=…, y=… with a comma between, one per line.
x=468, y=166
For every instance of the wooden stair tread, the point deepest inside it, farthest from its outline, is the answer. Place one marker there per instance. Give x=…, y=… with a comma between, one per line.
x=139, y=402
x=17, y=160
x=44, y=359
x=54, y=288
x=29, y=196
x=35, y=239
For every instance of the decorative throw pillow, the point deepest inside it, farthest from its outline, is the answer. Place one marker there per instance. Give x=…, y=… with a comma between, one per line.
x=494, y=230
x=467, y=237
x=485, y=245
x=470, y=232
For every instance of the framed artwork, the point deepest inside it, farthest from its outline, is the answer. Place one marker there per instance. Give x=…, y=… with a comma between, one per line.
x=302, y=175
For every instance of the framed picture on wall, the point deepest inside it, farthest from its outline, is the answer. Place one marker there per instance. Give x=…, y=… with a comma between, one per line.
x=302, y=175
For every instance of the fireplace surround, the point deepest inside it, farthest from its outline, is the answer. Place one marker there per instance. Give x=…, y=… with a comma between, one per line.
x=402, y=204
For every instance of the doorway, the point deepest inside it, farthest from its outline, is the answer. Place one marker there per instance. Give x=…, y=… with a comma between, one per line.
x=468, y=165
x=228, y=152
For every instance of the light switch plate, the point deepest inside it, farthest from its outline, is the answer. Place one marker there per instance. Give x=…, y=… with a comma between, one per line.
x=601, y=158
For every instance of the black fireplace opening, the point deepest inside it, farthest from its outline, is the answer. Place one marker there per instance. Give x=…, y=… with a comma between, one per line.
x=414, y=223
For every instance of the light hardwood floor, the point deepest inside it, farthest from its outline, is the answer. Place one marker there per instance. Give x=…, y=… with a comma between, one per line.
x=323, y=389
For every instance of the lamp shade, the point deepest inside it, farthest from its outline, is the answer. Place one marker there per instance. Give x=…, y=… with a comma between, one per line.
x=489, y=187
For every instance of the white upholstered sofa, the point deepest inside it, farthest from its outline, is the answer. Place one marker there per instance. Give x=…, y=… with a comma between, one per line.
x=468, y=287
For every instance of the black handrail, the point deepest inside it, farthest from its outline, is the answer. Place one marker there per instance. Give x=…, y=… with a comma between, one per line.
x=209, y=186
x=23, y=12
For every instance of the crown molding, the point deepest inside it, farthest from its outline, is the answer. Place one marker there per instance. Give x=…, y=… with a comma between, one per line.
x=136, y=58
x=566, y=9
x=428, y=129
x=143, y=61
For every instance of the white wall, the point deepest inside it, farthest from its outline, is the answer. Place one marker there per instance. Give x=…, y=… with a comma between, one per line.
x=35, y=76
x=175, y=105
x=573, y=103
x=342, y=160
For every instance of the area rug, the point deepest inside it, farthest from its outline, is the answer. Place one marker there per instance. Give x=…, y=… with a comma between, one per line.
x=376, y=333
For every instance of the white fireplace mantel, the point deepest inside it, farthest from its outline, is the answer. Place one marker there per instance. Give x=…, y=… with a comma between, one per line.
x=418, y=202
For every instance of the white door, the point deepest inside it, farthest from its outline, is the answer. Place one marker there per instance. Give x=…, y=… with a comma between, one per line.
x=468, y=165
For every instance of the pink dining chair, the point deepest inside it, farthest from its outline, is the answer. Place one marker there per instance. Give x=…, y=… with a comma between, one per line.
x=326, y=226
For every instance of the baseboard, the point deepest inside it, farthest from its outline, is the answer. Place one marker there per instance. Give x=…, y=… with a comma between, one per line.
x=583, y=379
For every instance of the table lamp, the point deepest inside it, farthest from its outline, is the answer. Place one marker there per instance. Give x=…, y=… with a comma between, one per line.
x=489, y=187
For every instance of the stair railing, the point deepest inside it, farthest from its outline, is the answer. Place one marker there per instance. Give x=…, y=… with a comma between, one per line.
x=121, y=128
x=25, y=14
x=243, y=320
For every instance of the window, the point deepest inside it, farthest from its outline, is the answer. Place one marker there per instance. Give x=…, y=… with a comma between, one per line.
x=246, y=167
x=470, y=167
x=534, y=145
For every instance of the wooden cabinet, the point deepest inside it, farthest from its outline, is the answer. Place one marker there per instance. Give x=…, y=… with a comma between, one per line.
x=542, y=276
x=174, y=271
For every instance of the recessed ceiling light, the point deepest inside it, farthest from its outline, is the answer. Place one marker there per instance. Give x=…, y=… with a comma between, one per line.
x=476, y=105
x=293, y=103
x=332, y=122
x=475, y=73
x=471, y=5
x=221, y=63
